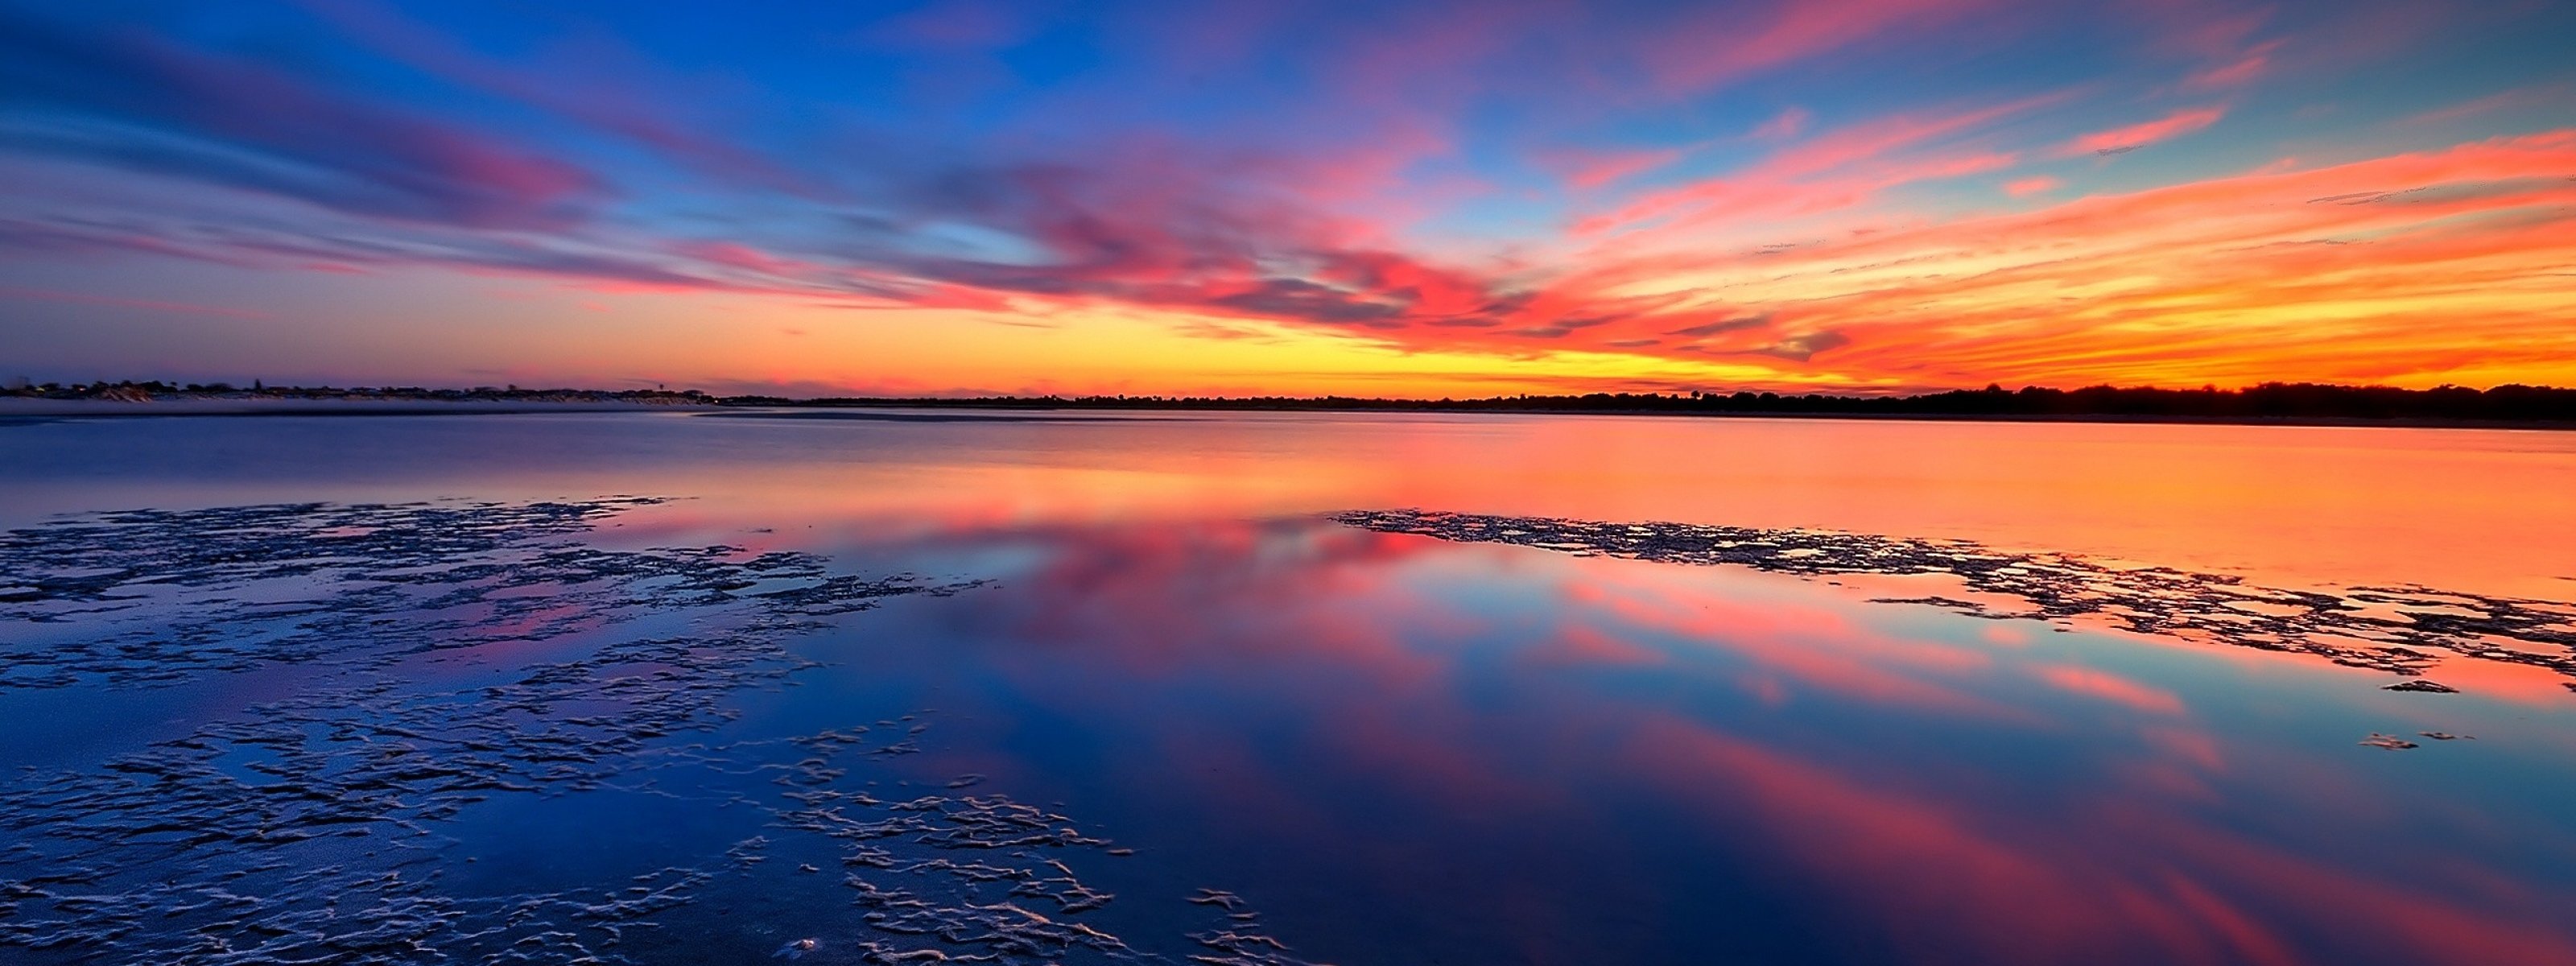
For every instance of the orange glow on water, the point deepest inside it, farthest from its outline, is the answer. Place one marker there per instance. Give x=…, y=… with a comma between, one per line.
x=2471, y=510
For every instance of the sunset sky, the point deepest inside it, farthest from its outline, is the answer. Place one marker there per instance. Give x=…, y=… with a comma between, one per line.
x=1256, y=197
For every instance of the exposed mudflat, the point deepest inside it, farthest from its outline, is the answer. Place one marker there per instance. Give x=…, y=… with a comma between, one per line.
x=2400, y=630
x=441, y=659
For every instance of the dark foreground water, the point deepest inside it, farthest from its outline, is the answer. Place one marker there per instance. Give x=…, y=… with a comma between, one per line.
x=681, y=688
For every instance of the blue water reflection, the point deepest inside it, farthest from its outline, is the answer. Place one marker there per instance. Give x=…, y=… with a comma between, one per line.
x=1152, y=668
x=1415, y=751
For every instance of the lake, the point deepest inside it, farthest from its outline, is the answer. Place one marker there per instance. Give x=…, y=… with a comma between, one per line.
x=840, y=686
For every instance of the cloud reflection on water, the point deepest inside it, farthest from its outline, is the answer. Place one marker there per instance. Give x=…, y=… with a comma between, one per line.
x=1546, y=759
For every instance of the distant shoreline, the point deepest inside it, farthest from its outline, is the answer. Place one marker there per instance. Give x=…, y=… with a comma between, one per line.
x=22, y=408
x=171, y=407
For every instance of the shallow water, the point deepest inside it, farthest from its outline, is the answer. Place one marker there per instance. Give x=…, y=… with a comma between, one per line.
x=1025, y=688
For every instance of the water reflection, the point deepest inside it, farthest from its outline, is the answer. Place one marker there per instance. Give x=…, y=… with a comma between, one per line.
x=2473, y=510
x=1409, y=750
x=1395, y=748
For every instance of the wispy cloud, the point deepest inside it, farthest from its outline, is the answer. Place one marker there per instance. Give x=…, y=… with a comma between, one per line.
x=2025, y=187
x=2132, y=137
x=147, y=106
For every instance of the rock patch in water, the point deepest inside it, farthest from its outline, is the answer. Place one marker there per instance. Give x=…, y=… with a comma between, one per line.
x=447, y=658
x=2398, y=630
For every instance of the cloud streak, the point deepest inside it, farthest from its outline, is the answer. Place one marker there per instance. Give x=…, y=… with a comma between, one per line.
x=2132, y=137
x=138, y=104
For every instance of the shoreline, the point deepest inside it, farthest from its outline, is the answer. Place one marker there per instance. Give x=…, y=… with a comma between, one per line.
x=47, y=410
x=127, y=409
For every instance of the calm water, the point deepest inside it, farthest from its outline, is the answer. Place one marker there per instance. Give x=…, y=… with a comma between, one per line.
x=1141, y=657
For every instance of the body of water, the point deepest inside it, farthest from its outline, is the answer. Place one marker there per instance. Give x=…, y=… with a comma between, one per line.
x=845, y=687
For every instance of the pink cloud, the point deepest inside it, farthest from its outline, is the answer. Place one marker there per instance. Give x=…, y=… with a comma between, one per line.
x=620, y=109
x=2025, y=187
x=1787, y=124
x=1728, y=43
x=2136, y=136
x=2236, y=73
x=1831, y=170
x=1588, y=171
x=2437, y=231
x=2515, y=99
x=733, y=255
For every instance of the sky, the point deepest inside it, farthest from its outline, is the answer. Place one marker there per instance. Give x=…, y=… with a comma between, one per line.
x=1256, y=197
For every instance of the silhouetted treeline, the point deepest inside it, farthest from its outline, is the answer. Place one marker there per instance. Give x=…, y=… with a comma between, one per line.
x=130, y=391
x=2267, y=402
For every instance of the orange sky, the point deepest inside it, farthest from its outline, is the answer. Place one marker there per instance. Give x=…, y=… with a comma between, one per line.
x=1842, y=196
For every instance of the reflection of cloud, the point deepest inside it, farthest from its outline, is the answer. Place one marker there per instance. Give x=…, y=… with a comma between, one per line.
x=1809, y=647
x=1289, y=684
x=2111, y=687
x=1939, y=874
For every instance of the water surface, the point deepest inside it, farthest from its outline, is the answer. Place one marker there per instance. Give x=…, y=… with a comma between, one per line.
x=1025, y=688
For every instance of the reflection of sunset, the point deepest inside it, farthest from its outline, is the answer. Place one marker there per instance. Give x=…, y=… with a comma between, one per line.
x=1951, y=796
x=2288, y=506
x=1910, y=692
